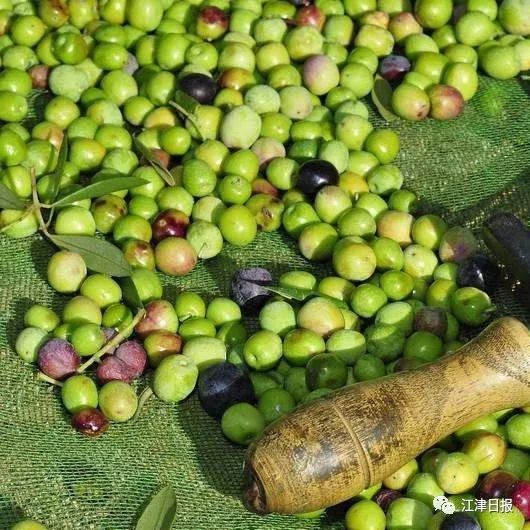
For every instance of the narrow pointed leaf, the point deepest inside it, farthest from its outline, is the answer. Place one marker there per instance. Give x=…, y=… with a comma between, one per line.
x=97, y=189
x=187, y=106
x=9, y=199
x=59, y=169
x=160, y=513
x=382, y=98
x=130, y=293
x=295, y=293
x=184, y=103
x=99, y=255
x=155, y=163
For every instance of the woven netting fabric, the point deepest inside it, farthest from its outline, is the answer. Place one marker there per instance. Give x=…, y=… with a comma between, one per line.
x=464, y=169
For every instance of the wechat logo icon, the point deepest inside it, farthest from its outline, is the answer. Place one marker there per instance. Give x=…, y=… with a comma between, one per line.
x=443, y=504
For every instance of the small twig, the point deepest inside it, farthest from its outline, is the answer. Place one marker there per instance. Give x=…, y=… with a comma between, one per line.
x=29, y=210
x=36, y=203
x=43, y=377
x=146, y=394
x=113, y=342
x=189, y=116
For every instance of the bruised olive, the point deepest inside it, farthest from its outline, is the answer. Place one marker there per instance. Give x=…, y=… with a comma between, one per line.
x=431, y=319
x=90, y=422
x=314, y=174
x=58, y=359
x=200, y=87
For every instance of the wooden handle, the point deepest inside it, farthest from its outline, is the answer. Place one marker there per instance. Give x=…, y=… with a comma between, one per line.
x=329, y=450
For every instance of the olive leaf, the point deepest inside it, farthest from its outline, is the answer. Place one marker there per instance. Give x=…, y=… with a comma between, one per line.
x=9, y=199
x=187, y=106
x=296, y=293
x=99, y=255
x=160, y=513
x=55, y=179
x=155, y=163
x=97, y=189
x=130, y=293
x=382, y=98
x=184, y=104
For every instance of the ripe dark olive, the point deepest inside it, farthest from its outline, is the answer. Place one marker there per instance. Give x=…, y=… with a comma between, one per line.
x=520, y=495
x=58, y=359
x=170, y=223
x=200, y=87
x=90, y=422
x=247, y=288
x=495, y=485
x=459, y=521
x=431, y=319
x=127, y=363
x=385, y=496
x=301, y=2
x=315, y=174
x=478, y=271
x=394, y=67
x=222, y=385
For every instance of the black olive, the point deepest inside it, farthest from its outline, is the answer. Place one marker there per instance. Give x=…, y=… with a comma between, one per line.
x=459, y=521
x=247, y=288
x=301, y=3
x=478, y=271
x=223, y=385
x=316, y=174
x=200, y=87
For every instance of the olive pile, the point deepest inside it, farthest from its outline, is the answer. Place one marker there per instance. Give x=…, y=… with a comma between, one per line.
x=233, y=117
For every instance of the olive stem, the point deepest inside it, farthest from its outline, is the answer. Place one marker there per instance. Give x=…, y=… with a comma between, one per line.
x=146, y=394
x=37, y=204
x=188, y=115
x=113, y=342
x=43, y=377
x=30, y=209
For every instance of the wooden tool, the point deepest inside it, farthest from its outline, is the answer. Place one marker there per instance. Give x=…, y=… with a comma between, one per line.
x=331, y=449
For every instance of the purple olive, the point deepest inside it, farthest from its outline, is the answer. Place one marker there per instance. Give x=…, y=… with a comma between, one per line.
x=170, y=223
x=315, y=174
x=247, y=288
x=478, y=271
x=133, y=355
x=223, y=385
x=385, y=496
x=90, y=422
x=394, y=67
x=495, y=484
x=58, y=359
x=200, y=87
x=114, y=369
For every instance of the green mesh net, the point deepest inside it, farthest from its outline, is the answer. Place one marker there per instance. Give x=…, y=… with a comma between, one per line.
x=464, y=169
